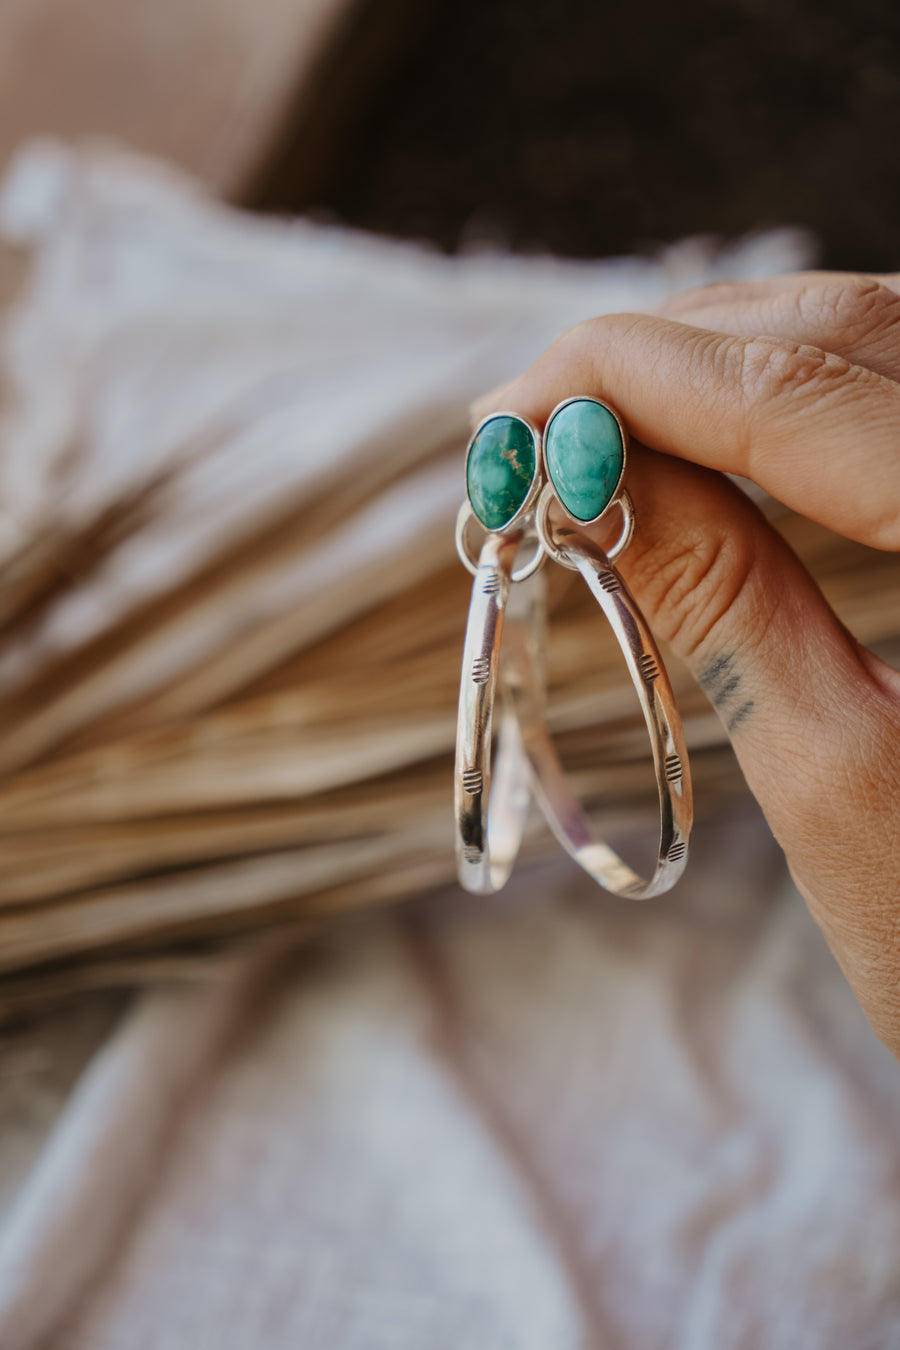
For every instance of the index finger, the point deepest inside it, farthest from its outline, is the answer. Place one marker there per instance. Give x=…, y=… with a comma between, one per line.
x=814, y=430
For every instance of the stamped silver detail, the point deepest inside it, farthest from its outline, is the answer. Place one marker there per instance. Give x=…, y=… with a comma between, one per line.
x=609, y=582
x=673, y=769
x=649, y=667
x=481, y=670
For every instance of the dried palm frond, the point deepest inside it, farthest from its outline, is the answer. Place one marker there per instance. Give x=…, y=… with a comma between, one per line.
x=230, y=607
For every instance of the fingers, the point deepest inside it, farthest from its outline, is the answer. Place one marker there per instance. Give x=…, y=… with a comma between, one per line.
x=680, y=304
x=815, y=719
x=793, y=383
x=815, y=430
x=856, y=317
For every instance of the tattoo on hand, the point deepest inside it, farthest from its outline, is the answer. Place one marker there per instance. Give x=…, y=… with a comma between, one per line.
x=721, y=684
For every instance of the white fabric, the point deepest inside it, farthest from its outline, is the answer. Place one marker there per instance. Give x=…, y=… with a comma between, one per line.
x=545, y=1120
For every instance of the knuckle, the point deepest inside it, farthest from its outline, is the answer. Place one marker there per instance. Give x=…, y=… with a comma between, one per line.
x=772, y=370
x=850, y=306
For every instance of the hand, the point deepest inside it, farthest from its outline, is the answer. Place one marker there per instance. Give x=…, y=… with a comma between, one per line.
x=795, y=384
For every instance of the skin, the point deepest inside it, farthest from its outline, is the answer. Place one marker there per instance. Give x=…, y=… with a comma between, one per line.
x=795, y=384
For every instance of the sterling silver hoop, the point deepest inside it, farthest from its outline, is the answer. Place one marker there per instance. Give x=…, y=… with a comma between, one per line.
x=560, y=806
x=491, y=810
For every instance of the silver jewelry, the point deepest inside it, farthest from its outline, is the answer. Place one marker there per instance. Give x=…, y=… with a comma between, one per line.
x=491, y=807
x=584, y=457
x=670, y=758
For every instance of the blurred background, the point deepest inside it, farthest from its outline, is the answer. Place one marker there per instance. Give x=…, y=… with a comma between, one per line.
x=589, y=130
x=579, y=129
x=231, y=617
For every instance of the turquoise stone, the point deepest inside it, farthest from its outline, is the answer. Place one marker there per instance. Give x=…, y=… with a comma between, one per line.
x=585, y=455
x=500, y=470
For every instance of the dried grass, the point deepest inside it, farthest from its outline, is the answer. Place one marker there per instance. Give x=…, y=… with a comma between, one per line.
x=228, y=705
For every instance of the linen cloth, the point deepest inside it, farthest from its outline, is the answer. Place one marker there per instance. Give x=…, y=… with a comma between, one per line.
x=544, y=1120
x=547, y=1119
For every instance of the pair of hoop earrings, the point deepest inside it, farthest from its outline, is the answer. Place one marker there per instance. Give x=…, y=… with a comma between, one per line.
x=513, y=476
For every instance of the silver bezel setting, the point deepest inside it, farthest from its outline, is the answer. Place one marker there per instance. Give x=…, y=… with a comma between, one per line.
x=623, y=432
x=530, y=498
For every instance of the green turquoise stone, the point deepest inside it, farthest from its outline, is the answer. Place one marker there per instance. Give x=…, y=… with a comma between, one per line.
x=585, y=456
x=500, y=470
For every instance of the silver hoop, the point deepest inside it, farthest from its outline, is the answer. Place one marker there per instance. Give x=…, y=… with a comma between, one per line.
x=670, y=758
x=464, y=516
x=491, y=812
x=491, y=809
x=558, y=554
